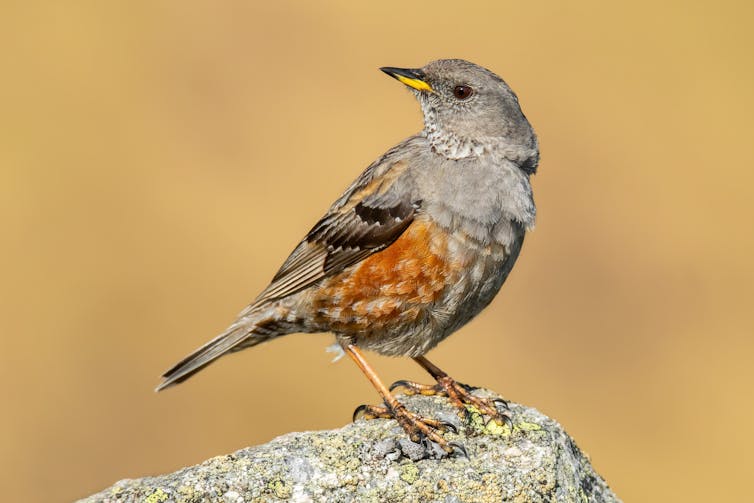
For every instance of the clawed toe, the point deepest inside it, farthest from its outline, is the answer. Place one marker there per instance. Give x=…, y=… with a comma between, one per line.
x=501, y=402
x=457, y=446
x=413, y=388
x=489, y=408
x=461, y=396
x=423, y=430
x=371, y=412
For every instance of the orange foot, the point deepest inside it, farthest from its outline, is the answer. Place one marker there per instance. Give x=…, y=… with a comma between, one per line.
x=460, y=395
x=419, y=429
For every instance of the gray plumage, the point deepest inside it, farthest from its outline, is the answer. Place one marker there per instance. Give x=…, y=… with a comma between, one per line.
x=465, y=176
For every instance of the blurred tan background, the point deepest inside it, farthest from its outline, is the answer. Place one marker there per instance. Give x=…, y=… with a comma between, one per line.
x=158, y=160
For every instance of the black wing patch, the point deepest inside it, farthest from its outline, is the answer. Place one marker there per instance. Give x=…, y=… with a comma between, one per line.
x=371, y=219
x=365, y=230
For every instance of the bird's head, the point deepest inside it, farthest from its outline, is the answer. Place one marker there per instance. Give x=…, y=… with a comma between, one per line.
x=467, y=108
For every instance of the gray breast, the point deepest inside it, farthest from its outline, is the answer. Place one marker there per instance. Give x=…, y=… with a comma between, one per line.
x=481, y=197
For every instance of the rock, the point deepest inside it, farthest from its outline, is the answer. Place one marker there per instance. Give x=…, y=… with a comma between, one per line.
x=535, y=461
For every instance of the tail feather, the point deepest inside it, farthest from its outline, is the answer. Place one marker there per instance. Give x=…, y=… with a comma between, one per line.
x=238, y=334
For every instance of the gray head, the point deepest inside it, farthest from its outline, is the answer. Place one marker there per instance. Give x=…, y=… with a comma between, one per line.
x=468, y=110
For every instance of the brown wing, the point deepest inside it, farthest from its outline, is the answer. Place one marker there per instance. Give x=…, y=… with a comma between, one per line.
x=373, y=213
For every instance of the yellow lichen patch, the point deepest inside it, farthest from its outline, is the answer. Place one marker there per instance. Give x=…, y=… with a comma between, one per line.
x=157, y=497
x=528, y=426
x=279, y=489
x=491, y=427
x=409, y=473
x=498, y=429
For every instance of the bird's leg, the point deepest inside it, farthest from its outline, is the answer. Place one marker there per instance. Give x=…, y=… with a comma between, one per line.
x=417, y=427
x=459, y=394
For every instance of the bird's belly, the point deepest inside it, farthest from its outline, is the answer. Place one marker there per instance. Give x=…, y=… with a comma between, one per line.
x=407, y=298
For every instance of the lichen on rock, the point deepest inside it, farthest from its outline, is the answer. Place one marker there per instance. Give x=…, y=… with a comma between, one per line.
x=534, y=461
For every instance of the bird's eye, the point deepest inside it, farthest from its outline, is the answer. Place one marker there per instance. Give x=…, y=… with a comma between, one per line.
x=462, y=92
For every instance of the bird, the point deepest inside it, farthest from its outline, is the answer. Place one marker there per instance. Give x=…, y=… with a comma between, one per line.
x=417, y=246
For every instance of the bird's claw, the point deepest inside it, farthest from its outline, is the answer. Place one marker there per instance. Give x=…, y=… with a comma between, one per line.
x=420, y=430
x=371, y=412
x=461, y=396
x=457, y=446
x=500, y=401
x=502, y=419
x=413, y=388
x=359, y=410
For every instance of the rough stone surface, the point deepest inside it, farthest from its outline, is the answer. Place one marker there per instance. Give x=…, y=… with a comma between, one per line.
x=535, y=461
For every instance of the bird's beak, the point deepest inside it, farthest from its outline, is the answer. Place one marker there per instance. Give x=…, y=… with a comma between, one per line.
x=413, y=78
